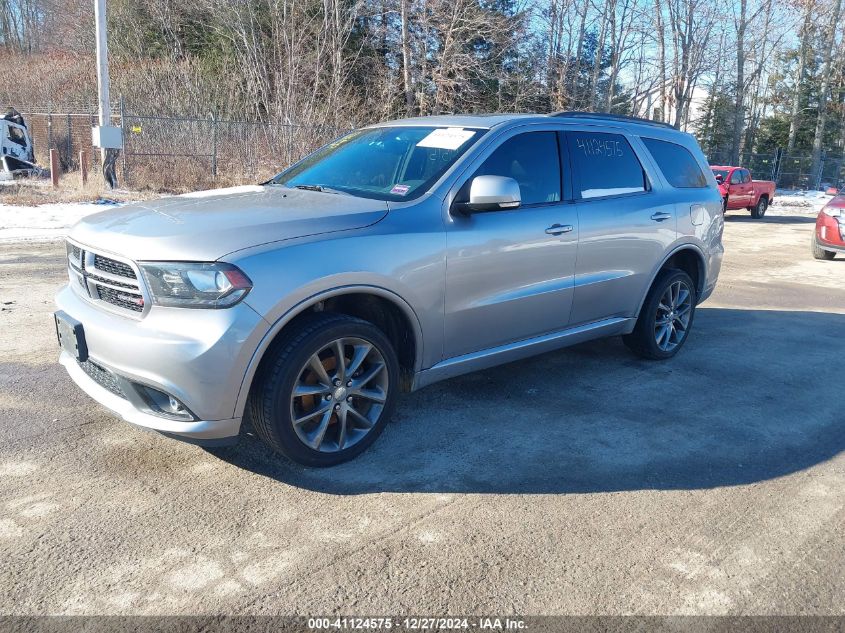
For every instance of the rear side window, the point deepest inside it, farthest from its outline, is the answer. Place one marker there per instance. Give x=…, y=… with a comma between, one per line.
x=532, y=160
x=605, y=165
x=16, y=135
x=677, y=164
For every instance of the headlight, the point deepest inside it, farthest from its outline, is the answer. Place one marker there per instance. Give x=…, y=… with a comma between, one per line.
x=834, y=212
x=195, y=285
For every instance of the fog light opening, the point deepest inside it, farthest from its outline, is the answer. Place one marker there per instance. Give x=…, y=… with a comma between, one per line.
x=165, y=405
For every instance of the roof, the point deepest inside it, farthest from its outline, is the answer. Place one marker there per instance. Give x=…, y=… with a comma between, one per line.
x=488, y=121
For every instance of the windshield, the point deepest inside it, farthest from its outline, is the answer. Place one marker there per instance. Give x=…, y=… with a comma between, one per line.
x=720, y=172
x=385, y=163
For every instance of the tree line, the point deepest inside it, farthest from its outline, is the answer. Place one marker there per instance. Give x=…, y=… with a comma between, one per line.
x=743, y=75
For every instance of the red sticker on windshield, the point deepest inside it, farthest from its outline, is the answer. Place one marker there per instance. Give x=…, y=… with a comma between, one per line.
x=400, y=190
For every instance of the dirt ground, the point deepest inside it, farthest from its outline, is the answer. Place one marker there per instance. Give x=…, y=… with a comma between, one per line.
x=583, y=481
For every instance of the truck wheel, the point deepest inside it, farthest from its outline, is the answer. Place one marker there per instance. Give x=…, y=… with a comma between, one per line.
x=327, y=391
x=665, y=318
x=759, y=210
x=818, y=252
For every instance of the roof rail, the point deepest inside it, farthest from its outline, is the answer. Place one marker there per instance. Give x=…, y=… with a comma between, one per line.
x=612, y=117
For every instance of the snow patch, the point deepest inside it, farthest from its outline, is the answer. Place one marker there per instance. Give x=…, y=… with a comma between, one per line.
x=44, y=222
x=789, y=202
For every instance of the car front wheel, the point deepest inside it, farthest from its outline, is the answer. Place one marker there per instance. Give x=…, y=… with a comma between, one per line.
x=666, y=317
x=818, y=252
x=327, y=391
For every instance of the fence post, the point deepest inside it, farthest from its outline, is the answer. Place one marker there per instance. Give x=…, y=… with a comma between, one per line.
x=54, y=167
x=69, y=143
x=123, y=134
x=213, y=145
x=49, y=129
x=775, y=160
x=821, y=170
x=83, y=166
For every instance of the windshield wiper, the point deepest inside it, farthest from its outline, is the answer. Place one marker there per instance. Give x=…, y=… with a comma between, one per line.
x=320, y=188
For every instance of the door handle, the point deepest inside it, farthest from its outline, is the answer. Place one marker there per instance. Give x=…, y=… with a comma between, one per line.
x=660, y=216
x=559, y=229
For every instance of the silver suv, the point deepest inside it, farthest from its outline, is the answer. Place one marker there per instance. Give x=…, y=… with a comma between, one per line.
x=396, y=256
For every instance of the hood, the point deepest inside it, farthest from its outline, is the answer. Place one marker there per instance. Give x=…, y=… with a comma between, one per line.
x=207, y=225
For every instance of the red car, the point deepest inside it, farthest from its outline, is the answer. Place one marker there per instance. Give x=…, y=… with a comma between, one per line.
x=829, y=236
x=739, y=191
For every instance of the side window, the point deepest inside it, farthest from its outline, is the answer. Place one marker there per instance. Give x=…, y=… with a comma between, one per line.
x=677, y=164
x=605, y=165
x=532, y=160
x=736, y=177
x=16, y=135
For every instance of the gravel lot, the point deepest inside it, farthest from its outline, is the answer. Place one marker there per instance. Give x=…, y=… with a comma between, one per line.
x=581, y=482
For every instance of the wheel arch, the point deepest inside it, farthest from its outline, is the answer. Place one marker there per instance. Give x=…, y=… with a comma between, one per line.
x=686, y=257
x=397, y=320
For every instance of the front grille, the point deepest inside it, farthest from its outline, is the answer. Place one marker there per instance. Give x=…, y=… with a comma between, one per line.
x=102, y=377
x=105, y=279
x=114, y=267
x=112, y=282
x=126, y=300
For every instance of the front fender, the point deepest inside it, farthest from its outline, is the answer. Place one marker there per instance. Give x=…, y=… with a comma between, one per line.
x=278, y=325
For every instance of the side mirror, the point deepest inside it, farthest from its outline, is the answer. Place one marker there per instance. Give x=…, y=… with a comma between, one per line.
x=490, y=193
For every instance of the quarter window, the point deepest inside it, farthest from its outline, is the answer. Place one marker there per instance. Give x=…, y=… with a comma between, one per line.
x=532, y=160
x=677, y=164
x=16, y=135
x=605, y=165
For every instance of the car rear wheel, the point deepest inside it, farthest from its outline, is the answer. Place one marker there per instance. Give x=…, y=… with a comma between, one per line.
x=665, y=318
x=818, y=252
x=759, y=210
x=327, y=391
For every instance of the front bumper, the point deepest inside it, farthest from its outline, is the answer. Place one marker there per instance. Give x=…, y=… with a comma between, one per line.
x=197, y=356
x=830, y=234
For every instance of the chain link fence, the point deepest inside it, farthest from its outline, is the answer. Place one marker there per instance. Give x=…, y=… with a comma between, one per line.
x=186, y=153
x=788, y=170
x=178, y=153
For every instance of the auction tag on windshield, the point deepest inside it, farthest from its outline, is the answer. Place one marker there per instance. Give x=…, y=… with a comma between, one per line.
x=400, y=190
x=447, y=138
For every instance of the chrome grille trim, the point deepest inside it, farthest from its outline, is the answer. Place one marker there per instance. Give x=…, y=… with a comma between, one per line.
x=110, y=281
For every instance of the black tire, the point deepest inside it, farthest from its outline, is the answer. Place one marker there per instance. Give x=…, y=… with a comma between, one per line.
x=759, y=210
x=642, y=341
x=270, y=401
x=818, y=252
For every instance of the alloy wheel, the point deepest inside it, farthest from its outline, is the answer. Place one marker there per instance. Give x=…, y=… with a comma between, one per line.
x=339, y=394
x=673, y=316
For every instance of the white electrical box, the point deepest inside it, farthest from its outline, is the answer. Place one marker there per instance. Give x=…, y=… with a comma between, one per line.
x=107, y=137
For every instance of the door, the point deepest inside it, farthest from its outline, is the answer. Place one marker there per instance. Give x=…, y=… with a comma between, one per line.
x=509, y=273
x=625, y=226
x=739, y=195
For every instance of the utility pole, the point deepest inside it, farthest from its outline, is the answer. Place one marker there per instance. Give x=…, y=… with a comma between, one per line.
x=106, y=136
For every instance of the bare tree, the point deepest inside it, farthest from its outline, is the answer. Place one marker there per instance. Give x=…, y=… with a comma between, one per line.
x=824, y=88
